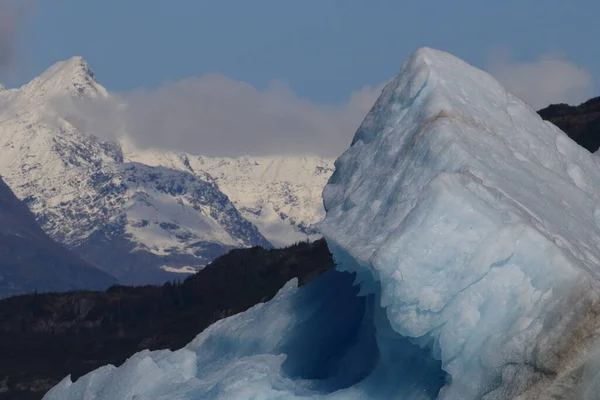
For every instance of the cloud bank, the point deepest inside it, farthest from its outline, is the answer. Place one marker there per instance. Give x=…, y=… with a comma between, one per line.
x=217, y=116
x=550, y=79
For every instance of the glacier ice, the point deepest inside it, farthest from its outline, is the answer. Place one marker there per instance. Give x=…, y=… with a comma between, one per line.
x=466, y=233
x=315, y=342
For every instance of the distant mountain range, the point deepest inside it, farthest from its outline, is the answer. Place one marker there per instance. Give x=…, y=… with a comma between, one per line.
x=281, y=195
x=144, y=216
x=31, y=261
x=140, y=223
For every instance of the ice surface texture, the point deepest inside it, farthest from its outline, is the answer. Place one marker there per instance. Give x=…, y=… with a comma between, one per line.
x=474, y=221
x=473, y=229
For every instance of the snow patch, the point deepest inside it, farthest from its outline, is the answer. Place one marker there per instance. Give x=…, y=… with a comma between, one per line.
x=182, y=270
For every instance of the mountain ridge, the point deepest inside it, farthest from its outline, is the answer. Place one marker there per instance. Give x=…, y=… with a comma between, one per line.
x=31, y=261
x=281, y=195
x=143, y=224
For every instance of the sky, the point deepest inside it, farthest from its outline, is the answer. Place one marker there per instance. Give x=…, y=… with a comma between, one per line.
x=273, y=76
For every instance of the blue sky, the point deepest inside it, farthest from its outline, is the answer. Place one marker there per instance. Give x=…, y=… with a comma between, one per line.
x=332, y=54
x=323, y=49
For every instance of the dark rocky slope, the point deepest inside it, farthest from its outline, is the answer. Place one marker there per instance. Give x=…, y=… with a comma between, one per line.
x=44, y=337
x=581, y=123
x=31, y=261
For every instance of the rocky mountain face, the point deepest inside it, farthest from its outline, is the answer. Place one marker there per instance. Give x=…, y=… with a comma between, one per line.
x=142, y=224
x=44, y=337
x=31, y=261
x=581, y=123
x=281, y=195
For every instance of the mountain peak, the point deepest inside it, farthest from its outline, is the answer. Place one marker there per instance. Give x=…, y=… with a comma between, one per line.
x=72, y=76
x=76, y=65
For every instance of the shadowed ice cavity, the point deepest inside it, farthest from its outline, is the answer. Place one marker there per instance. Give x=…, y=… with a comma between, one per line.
x=345, y=342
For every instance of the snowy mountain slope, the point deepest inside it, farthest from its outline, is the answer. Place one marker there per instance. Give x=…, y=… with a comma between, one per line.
x=31, y=261
x=473, y=228
x=280, y=195
x=132, y=220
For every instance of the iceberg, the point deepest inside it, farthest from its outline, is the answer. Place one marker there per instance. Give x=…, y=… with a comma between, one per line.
x=466, y=234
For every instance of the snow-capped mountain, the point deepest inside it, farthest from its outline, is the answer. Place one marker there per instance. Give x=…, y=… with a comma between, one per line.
x=281, y=195
x=140, y=223
x=31, y=261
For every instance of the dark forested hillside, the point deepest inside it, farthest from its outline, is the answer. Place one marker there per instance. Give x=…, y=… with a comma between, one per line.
x=44, y=337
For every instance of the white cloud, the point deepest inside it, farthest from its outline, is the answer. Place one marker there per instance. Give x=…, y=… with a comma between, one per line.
x=550, y=79
x=215, y=115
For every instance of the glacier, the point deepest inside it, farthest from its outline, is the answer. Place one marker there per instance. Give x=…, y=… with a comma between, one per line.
x=466, y=234
x=280, y=195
